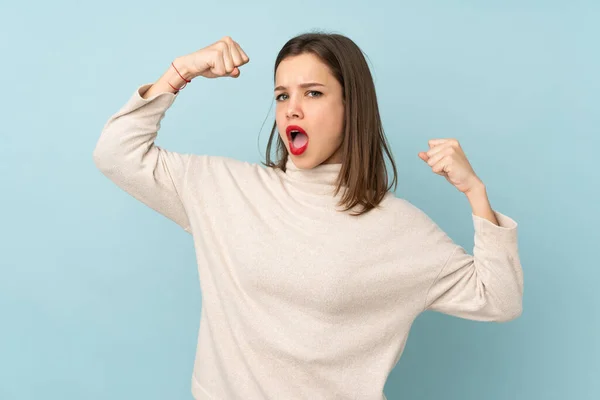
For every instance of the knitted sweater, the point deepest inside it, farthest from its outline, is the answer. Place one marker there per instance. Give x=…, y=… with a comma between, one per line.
x=299, y=299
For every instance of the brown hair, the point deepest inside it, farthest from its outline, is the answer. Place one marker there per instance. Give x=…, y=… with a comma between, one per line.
x=363, y=170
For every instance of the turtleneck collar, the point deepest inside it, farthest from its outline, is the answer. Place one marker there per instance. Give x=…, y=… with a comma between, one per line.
x=323, y=175
x=315, y=186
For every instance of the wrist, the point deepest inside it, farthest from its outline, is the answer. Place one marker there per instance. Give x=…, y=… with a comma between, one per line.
x=185, y=69
x=478, y=189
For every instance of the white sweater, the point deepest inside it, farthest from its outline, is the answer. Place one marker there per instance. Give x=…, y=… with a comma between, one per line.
x=299, y=300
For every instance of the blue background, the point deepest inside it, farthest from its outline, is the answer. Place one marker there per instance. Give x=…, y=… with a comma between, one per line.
x=99, y=295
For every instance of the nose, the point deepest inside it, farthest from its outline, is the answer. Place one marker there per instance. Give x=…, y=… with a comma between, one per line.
x=294, y=110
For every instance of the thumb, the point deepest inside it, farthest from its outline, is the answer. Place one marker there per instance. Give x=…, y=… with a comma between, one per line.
x=235, y=73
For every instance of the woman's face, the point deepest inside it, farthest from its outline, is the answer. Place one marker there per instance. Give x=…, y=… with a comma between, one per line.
x=317, y=109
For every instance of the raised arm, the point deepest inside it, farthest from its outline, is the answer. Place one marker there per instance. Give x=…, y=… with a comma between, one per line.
x=126, y=152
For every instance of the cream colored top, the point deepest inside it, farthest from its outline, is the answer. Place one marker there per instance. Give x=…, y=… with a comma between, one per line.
x=299, y=300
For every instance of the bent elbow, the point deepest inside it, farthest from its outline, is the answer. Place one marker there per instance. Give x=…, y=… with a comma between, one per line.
x=104, y=159
x=98, y=158
x=511, y=313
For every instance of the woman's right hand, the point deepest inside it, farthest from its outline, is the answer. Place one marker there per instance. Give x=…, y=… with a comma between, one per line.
x=222, y=58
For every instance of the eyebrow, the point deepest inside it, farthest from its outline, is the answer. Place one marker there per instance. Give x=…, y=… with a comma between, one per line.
x=303, y=85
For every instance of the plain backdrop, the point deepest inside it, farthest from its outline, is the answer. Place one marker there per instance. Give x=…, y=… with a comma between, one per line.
x=99, y=294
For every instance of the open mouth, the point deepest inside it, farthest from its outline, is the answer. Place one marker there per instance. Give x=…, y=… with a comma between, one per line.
x=298, y=139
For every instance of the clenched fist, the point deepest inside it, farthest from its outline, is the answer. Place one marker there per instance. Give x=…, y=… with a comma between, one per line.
x=222, y=58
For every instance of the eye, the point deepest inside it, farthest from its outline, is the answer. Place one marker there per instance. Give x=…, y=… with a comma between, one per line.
x=318, y=94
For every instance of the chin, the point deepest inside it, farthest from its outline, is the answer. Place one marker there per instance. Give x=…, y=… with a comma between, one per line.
x=301, y=161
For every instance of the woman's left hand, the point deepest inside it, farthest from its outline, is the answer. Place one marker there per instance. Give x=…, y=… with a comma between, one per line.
x=447, y=158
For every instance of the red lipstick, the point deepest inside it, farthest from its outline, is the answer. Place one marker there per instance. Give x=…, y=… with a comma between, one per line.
x=303, y=141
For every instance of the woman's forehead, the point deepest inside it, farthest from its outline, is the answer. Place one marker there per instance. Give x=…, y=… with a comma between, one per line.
x=297, y=70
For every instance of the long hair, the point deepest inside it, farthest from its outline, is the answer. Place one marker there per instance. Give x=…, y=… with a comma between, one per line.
x=363, y=171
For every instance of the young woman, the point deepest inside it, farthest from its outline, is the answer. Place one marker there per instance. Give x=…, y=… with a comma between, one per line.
x=311, y=270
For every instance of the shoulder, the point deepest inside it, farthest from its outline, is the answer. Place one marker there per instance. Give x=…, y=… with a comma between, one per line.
x=221, y=170
x=407, y=217
x=405, y=210
x=222, y=164
x=414, y=232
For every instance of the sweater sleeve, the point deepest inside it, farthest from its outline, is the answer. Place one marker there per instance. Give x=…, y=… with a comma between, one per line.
x=127, y=155
x=485, y=286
